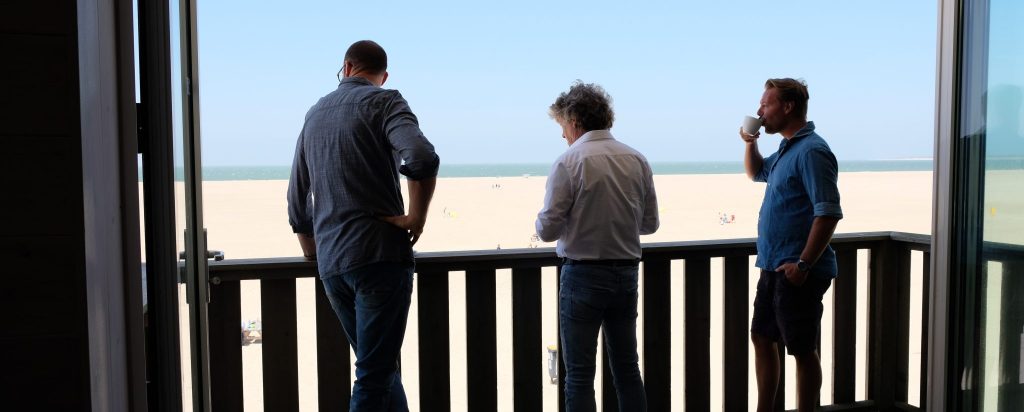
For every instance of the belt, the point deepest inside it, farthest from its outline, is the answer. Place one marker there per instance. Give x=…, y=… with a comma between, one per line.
x=602, y=262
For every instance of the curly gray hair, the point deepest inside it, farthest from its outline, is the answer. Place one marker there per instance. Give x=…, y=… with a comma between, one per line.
x=586, y=105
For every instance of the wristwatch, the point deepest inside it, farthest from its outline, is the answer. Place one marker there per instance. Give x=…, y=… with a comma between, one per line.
x=803, y=266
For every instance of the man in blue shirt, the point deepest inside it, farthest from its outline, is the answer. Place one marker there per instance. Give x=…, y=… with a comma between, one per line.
x=798, y=216
x=345, y=204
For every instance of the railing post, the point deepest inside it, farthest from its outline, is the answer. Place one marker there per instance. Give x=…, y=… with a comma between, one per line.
x=888, y=339
x=333, y=362
x=280, y=347
x=657, y=358
x=434, y=350
x=901, y=349
x=698, y=333
x=736, y=306
x=1011, y=394
x=527, y=348
x=225, y=347
x=844, y=330
x=481, y=341
x=926, y=284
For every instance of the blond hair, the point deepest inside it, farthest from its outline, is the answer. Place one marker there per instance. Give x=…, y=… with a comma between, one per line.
x=791, y=91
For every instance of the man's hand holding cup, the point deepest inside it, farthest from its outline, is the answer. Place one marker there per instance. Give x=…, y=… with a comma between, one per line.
x=750, y=130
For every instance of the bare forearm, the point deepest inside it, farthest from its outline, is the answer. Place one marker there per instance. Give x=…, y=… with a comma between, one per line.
x=821, y=233
x=308, y=245
x=752, y=159
x=420, y=193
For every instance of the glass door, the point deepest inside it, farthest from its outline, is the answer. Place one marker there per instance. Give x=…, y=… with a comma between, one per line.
x=195, y=252
x=988, y=343
x=176, y=256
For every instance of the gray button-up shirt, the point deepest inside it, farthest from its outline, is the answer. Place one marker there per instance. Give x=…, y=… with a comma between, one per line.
x=353, y=145
x=599, y=200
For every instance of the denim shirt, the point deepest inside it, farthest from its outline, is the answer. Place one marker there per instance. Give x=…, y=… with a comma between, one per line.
x=802, y=184
x=354, y=144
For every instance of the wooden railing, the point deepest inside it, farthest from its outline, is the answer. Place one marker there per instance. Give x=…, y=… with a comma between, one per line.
x=888, y=286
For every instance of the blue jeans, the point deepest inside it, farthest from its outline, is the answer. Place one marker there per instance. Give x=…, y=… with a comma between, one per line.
x=372, y=303
x=592, y=296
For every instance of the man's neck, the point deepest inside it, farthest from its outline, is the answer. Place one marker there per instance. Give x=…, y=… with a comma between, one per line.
x=375, y=79
x=575, y=137
x=791, y=130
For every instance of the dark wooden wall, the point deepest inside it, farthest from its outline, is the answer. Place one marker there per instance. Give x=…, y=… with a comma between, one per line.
x=43, y=332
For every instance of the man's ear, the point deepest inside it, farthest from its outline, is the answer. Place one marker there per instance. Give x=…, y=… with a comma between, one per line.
x=346, y=69
x=787, y=107
x=384, y=78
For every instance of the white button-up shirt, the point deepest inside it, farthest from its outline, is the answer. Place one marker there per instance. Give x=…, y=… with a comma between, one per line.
x=599, y=200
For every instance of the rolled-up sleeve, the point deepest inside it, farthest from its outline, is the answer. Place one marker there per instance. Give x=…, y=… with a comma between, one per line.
x=820, y=178
x=419, y=161
x=650, y=222
x=762, y=175
x=551, y=221
x=300, y=197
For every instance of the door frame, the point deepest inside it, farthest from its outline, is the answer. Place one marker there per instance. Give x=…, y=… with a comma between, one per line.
x=156, y=146
x=958, y=185
x=947, y=59
x=196, y=267
x=112, y=283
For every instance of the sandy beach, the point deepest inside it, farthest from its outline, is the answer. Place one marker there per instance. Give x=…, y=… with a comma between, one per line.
x=248, y=219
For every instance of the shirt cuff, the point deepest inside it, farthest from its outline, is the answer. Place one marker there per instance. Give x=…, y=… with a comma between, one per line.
x=543, y=231
x=421, y=169
x=304, y=228
x=828, y=209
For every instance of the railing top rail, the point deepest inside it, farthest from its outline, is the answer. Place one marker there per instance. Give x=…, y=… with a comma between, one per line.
x=293, y=267
x=917, y=239
x=1002, y=251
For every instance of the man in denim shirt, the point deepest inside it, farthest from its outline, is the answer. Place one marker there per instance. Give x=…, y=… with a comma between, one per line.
x=798, y=216
x=345, y=204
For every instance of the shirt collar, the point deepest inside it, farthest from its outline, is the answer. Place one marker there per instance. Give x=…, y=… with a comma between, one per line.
x=594, y=135
x=355, y=79
x=805, y=131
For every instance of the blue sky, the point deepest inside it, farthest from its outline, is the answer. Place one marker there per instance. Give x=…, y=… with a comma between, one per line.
x=1006, y=62
x=481, y=75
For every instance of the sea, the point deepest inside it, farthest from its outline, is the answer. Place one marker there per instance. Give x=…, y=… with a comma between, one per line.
x=281, y=172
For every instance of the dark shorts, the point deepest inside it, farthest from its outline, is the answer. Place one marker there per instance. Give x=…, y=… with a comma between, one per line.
x=788, y=313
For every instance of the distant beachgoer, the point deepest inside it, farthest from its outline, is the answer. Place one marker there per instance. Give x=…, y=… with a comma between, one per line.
x=599, y=200
x=356, y=228
x=798, y=216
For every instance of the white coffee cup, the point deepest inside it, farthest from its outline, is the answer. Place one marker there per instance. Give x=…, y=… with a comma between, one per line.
x=751, y=124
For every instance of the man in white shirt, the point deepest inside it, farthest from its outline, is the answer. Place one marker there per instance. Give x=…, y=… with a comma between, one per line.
x=599, y=200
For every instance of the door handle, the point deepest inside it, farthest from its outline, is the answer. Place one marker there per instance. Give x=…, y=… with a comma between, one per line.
x=216, y=255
